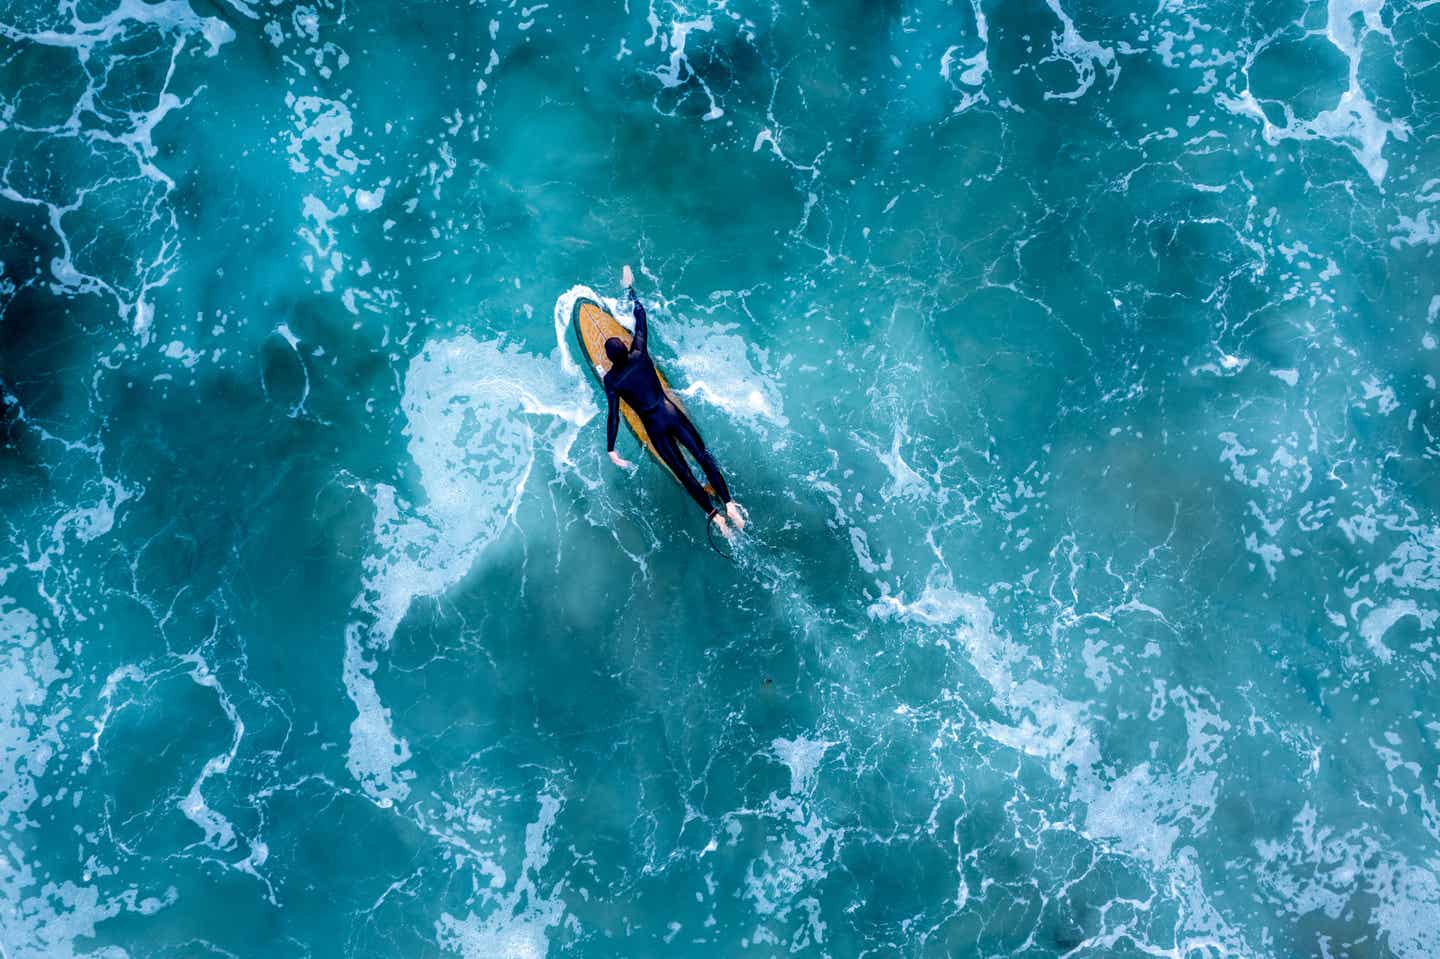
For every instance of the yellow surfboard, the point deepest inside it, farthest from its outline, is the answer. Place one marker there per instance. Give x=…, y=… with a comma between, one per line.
x=594, y=325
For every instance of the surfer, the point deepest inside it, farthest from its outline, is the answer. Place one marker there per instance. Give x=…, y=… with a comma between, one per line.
x=632, y=378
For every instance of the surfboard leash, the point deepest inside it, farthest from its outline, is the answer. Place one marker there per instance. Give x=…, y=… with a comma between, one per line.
x=710, y=535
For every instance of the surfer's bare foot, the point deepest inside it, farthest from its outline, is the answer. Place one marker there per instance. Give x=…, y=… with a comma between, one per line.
x=722, y=526
x=621, y=461
x=627, y=279
x=736, y=514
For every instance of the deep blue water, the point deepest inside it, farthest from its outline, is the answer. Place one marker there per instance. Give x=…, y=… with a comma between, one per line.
x=1077, y=363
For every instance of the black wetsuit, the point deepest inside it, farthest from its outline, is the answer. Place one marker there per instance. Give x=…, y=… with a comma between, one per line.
x=636, y=382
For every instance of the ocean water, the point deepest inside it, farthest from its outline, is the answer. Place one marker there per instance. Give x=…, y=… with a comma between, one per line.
x=1077, y=363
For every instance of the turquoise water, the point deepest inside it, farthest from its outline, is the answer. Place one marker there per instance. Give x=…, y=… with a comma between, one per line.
x=1077, y=364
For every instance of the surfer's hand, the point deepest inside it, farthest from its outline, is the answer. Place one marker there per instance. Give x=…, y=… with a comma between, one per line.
x=621, y=461
x=627, y=279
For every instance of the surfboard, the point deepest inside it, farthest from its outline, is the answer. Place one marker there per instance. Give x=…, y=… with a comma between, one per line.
x=593, y=326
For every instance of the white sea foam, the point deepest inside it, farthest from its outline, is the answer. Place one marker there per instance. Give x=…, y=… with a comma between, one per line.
x=1288, y=377
x=1144, y=811
x=1381, y=619
x=1415, y=231
x=325, y=257
x=516, y=923
x=29, y=666
x=801, y=857
x=317, y=141
x=1277, y=480
x=368, y=200
x=475, y=411
x=1354, y=121
x=724, y=369
x=122, y=139
x=678, y=69
x=1415, y=563
x=1318, y=868
x=220, y=833
x=967, y=74
x=905, y=482
x=44, y=916
x=1086, y=56
x=803, y=757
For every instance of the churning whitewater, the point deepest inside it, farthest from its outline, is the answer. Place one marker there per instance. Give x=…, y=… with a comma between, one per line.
x=1077, y=364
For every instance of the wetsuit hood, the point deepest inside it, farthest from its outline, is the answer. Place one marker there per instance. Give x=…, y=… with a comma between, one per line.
x=617, y=351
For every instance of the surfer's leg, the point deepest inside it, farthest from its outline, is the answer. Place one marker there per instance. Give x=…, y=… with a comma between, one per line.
x=664, y=441
x=689, y=436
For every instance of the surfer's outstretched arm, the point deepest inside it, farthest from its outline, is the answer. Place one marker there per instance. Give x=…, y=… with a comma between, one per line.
x=638, y=346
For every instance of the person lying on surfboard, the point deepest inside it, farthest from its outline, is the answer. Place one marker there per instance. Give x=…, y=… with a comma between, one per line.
x=632, y=378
